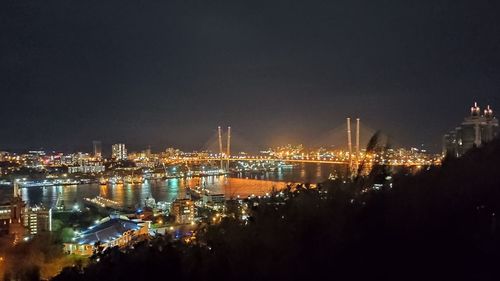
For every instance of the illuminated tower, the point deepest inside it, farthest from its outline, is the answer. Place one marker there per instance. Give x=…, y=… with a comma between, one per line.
x=490, y=130
x=17, y=209
x=228, y=146
x=474, y=131
x=119, y=152
x=475, y=116
x=97, y=149
x=357, y=141
x=349, y=142
x=220, y=148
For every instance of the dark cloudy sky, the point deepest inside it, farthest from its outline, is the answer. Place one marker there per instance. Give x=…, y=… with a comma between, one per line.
x=166, y=73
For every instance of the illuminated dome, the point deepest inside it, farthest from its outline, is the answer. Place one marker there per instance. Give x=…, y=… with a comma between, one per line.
x=475, y=110
x=488, y=112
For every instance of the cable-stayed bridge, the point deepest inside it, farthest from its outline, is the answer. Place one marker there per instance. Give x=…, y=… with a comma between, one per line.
x=222, y=142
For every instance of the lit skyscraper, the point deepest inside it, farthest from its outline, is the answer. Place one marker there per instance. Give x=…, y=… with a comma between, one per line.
x=97, y=149
x=475, y=130
x=119, y=152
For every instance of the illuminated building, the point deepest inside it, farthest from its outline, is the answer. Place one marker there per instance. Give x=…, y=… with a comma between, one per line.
x=12, y=215
x=183, y=210
x=91, y=168
x=4, y=218
x=475, y=130
x=19, y=221
x=17, y=210
x=119, y=152
x=37, y=220
x=215, y=201
x=109, y=232
x=97, y=149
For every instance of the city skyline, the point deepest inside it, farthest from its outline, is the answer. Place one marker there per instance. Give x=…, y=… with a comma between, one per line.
x=339, y=142
x=249, y=140
x=169, y=73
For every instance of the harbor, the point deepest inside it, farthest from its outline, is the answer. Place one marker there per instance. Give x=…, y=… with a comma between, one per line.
x=134, y=195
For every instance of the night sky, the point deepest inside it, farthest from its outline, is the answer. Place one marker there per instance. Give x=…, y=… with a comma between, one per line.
x=166, y=73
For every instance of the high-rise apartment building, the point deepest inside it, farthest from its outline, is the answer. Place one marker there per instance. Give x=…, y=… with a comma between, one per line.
x=119, y=152
x=37, y=220
x=475, y=130
x=183, y=210
x=97, y=149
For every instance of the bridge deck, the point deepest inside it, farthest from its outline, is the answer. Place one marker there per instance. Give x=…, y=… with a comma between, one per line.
x=318, y=161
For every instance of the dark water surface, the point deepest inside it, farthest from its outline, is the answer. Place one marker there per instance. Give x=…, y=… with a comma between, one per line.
x=243, y=184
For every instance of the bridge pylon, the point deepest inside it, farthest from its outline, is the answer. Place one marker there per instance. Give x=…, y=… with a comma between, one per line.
x=228, y=153
x=220, y=149
x=352, y=168
x=224, y=156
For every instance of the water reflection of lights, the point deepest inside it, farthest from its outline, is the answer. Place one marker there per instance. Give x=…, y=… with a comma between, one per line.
x=173, y=188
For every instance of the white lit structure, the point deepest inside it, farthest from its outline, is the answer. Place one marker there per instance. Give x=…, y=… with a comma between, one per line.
x=38, y=220
x=113, y=231
x=474, y=131
x=87, y=169
x=97, y=149
x=119, y=152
